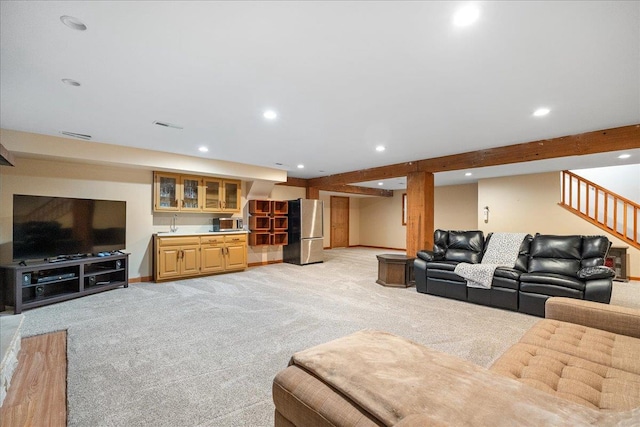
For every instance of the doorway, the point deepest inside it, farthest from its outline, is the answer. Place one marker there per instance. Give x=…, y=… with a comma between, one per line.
x=339, y=222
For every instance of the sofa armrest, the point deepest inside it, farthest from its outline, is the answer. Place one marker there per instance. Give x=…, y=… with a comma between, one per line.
x=426, y=255
x=611, y=318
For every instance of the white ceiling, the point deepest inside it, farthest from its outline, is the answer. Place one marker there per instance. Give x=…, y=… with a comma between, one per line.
x=343, y=76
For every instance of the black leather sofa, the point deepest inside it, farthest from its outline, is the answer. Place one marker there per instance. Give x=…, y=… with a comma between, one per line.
x=570, y=266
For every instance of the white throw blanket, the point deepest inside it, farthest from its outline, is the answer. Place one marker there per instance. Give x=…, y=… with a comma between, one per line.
x=502, y=251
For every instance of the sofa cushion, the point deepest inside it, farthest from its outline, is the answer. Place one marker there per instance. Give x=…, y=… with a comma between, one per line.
x=605, y=348
x=393, y=378
x=550, y=279
x=570, y=377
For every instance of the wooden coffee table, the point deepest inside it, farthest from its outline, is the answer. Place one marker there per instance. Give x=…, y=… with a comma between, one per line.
x=395, y=270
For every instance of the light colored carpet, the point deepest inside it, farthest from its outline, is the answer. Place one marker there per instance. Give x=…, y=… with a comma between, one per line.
x=203, y=352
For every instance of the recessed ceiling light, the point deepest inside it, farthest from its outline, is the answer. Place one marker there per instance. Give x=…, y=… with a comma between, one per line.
x=73, y=23
x=380, y=148
x=270, y=115
x=624, y=156
x=300, y=166
x=466, y=15
x=203, y=149
x=381, y=183
x=541, y=112
x=468, y=174
x=70, y=82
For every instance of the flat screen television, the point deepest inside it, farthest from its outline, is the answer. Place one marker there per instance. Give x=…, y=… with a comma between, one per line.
x=47, y=227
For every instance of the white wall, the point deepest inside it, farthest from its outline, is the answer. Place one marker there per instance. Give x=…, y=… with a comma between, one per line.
x=381, y=222
x=623, y=180
x=529, y=203
x=48, y=178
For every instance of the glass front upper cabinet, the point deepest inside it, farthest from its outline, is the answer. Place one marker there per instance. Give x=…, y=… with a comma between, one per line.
x=166, y=189
x=231, y=196
x=174, y=192
x=191, y=193
x=212, y=200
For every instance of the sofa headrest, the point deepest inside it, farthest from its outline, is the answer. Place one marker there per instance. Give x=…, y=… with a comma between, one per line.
x=566, y=254
x=565, y=247
x=462, y=246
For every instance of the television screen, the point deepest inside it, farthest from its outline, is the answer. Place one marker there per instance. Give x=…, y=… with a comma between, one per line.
x=48, y=227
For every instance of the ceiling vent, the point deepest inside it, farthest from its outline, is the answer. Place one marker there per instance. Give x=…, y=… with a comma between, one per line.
x=167, y=125
x=76, y=135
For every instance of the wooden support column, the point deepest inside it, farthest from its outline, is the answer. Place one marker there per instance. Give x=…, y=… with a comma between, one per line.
x=313, y=193
x=420, y=196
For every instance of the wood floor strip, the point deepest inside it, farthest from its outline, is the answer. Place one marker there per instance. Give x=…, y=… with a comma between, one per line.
x=38, y=392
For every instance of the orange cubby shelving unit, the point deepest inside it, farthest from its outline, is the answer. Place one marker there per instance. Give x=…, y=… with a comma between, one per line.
x=268, y=222
x=259, y=223
x=279, y=207
x=279, y=238
x=259, y=239
x=260, y=207
x=279, y=223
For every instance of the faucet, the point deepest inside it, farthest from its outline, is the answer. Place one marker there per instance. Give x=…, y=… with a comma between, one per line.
x=173, y=228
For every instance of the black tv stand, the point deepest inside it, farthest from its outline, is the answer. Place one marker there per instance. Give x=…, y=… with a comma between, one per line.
x=42, y=283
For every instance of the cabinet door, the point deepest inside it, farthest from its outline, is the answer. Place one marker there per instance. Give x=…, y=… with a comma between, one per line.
x=168, y=262
x=190, y=260
x=212, y=259
x=231, y=196
x=190, y=186
x=212, y=189
x=236, y=257
x=166, y=192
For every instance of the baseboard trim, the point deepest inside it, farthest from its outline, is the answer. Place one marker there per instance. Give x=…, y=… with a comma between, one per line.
x=378, y=247
x=259, y=264
x=635, y=279
x=140, y=279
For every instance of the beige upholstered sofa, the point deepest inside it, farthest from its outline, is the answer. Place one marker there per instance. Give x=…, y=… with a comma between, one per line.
x=578, y=366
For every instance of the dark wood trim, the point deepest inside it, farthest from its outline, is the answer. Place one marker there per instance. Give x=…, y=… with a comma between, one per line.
x=364, y=175
x=295, y=182
x=601, y=141
x=141, y=279
x=313, y=193
x=332, y=232
x=420, y=216
x=354, y=189
x=263, y=263
x=378, y=247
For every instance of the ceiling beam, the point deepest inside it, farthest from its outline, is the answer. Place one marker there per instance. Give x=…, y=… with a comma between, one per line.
x=602, y=141
x=295, y=182
x=353, y=189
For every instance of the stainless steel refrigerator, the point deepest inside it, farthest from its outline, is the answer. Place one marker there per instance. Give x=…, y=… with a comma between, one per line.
x=305, y=230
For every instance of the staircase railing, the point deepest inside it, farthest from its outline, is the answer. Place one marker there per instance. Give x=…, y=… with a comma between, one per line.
x=609, y=211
